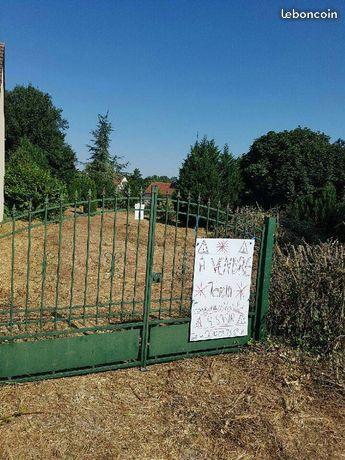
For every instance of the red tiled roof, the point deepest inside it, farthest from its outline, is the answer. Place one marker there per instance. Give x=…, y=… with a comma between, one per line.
x=165, y=188
x=2, y=60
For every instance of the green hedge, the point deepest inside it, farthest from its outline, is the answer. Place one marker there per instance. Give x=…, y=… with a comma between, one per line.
x=27, y=181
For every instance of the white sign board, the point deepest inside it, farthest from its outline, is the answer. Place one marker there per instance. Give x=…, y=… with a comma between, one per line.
x=221, y=288
x=139, y=211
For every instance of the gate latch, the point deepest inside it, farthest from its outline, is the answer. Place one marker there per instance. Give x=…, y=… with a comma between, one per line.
x=157, y=277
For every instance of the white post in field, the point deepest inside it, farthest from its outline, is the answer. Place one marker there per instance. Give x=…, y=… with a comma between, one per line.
x=139, y=211
x=2, y=129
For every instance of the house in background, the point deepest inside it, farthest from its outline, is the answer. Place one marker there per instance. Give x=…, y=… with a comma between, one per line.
x=164, y=188
x=120, y=182
x=2, y=128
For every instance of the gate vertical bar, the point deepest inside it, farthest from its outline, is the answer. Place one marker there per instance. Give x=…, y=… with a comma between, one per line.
x=148, y=277
x=264, y=278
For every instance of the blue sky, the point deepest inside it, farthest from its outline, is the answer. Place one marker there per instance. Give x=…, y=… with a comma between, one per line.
x=169, y=69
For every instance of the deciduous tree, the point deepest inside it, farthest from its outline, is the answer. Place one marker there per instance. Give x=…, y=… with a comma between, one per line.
x=280, y=167
x=31, y=114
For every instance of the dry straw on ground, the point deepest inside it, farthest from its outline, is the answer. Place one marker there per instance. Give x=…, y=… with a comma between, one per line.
x=253, y=405
x=128, y=279
x=173, y=257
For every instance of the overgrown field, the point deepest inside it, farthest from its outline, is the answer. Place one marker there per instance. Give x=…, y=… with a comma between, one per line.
x=92, y=272
x=307, y=305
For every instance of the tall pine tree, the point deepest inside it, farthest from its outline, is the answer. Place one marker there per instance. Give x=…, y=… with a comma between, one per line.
x=103, y=167
x=100, y=159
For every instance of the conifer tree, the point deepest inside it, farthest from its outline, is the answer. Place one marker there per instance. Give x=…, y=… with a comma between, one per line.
x=103, y=167
x=136, y=182
x=199, y=174
x=210, y=173
x=230, y=178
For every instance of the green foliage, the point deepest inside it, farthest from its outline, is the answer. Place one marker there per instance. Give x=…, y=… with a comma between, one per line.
x=30, y=114
x=62, y=163
x=339, y=166
x=25, y=180
x=81, y=186
x=280, y=167
x=317, y=208
x=316, y=217
x=338, y=221
x=165, y=209
x=104, y=181
x=136, y=183
x=307, y=295
x=156, y=178
x=100, y=143
x=210, y=173
x=103, y=167
x=199, y=174
x=230, y=176
x=29, y=153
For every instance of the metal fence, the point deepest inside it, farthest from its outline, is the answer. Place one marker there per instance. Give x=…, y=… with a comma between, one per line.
x=86, y=287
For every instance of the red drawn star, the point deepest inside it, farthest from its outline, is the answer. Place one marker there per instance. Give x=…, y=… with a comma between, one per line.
x=222, y=246
x=240, y=291
x=200, y=290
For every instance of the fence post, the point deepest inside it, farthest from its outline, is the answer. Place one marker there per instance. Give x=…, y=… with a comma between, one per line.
x=264, y=278
x=148, y=277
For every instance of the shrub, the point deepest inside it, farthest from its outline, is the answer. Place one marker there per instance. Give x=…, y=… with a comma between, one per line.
x=26, y=180
x=308, y=296
x=80, y=188
x=337, y=221
x=314, y=208
x=104, y=182
x=29, y=153
x=165, y=209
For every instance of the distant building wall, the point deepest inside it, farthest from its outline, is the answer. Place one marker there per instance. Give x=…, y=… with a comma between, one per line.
x=2, y=144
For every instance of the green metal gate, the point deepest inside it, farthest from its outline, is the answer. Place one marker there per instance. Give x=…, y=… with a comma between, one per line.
x=86, y=288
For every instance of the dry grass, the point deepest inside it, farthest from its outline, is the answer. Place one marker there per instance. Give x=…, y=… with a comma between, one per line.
x=253, y=405
x=308, y=300
x=128, y=278
x=258, y=404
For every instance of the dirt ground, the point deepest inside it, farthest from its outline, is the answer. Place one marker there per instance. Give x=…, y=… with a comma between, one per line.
x=259, y=404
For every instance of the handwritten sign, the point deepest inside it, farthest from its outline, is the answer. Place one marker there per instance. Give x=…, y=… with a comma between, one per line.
x=221, y=288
